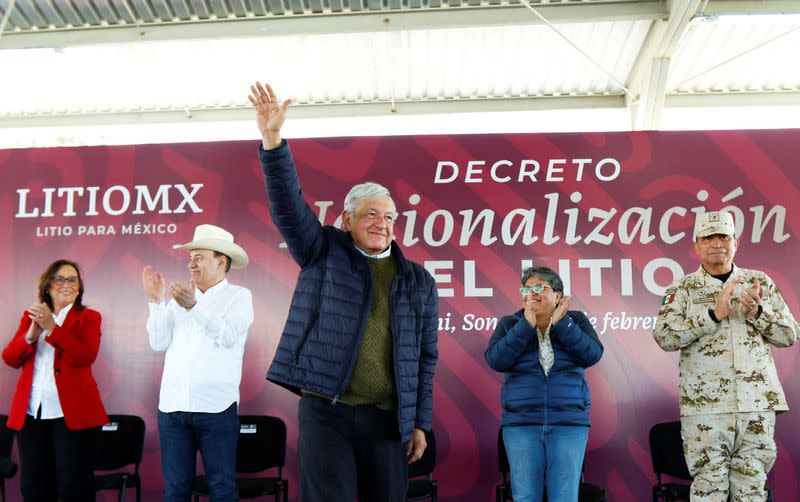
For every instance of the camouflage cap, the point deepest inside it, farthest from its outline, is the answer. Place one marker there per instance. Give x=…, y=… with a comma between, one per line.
x=715, y=222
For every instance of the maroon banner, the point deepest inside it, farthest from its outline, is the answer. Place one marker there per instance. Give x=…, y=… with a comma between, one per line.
x=613, y=213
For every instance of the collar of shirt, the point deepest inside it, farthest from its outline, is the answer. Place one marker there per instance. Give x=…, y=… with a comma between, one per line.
x=546, y=354
x=703, y=277
x=546, y=332
x=383, y=254
x=210, y=292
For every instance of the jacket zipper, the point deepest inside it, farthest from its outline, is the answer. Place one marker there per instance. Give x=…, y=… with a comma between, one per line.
x=364, y=314
x=393, y=331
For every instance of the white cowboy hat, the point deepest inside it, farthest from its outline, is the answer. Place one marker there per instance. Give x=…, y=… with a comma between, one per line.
x=219, y=240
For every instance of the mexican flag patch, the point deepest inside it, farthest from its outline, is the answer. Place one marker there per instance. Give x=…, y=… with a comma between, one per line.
x=668, y=298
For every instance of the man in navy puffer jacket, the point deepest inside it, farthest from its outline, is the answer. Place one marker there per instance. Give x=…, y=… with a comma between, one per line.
x=359, y=343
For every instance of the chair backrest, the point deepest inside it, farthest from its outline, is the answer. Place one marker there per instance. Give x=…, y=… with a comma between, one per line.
x=6, y=437
x=7, y=466
x=587, y=492
x=261, y=445
x=502, y=456
x=666, y=450
x=120, y=443
x=425, y=465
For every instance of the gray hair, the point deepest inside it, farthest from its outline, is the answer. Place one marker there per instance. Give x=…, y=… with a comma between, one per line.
x=545, y=274
x=368, y=190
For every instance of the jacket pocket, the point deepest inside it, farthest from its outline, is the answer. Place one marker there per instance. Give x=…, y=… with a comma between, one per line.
x=309, y=329
x=416, y=300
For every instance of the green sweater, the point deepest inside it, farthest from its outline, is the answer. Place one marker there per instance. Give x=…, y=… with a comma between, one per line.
x=372, y=381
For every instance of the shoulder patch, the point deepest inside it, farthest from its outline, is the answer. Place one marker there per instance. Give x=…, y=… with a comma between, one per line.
x=669, y=297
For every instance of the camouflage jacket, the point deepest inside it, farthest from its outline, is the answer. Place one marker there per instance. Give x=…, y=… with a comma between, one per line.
x=727, y=366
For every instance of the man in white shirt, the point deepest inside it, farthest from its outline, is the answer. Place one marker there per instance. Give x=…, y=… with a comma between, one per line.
x=202, y=327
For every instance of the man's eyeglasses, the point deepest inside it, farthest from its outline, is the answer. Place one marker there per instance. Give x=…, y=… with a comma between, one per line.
x=71, y=281
x=536, y=288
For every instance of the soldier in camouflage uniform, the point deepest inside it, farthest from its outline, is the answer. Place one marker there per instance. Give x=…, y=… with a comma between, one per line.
x=723, y=318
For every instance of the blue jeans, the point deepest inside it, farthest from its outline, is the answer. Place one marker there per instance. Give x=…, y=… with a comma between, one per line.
x=181, y=435
x=548, y=456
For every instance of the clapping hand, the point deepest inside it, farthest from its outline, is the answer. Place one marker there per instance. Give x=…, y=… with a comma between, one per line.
x=561, y=310
x=155, y=287
x=750, y=299
x=41, y=315
x=723, y=306
x=184, y=296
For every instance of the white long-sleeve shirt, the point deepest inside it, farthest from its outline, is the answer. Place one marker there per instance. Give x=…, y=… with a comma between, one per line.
x=43, y=389
x=205, y=346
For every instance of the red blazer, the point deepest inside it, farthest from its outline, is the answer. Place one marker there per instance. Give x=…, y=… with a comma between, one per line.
x=76, y=342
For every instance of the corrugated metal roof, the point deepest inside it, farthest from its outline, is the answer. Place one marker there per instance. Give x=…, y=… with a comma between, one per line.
x=449, y=64
x=737, y=56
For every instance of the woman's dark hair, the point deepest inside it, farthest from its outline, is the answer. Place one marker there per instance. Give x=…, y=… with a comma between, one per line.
x=46, y=280
x=545, y=274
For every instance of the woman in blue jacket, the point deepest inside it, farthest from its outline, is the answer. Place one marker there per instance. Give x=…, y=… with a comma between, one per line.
x=543, y=350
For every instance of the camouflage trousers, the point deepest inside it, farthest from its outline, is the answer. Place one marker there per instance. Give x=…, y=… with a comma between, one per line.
x=729, y=453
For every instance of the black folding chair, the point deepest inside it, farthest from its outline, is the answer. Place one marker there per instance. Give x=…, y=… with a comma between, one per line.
x=587, y=492
x=666, y=453
x=503, y=489
x=261, y=446
x=8, y=468
x=427, y=487
x=120, y=445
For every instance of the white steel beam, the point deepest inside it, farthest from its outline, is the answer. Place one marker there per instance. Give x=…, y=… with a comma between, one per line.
x=650, y=71
x=300, y=111
x=244, y=113
x=734, y=99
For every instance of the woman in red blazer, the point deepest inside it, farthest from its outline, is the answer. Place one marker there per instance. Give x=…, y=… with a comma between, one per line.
x=56, y=407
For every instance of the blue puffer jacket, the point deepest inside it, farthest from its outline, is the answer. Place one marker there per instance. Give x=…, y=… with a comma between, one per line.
x=528, y=396
x=322, y=336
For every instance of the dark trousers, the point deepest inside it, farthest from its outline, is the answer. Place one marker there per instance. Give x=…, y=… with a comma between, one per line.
x=350, y=450
x=182, y=434
x=56, y=463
